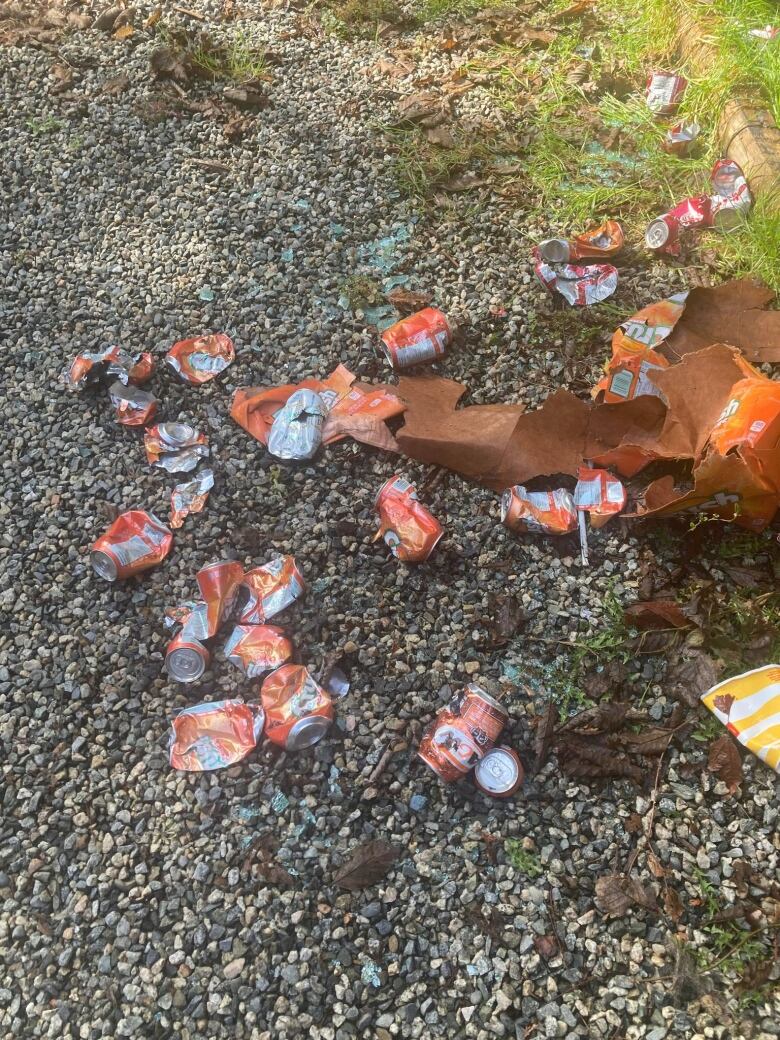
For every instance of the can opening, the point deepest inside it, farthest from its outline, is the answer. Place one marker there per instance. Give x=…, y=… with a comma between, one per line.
x=307, y=732
x=554, y=250
x=103, y=565
x=657, y=234
x=185, y=664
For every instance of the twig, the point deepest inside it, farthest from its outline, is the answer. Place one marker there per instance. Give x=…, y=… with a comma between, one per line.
x=647, y=831
x=553, y=915
x=189, y=14
x=380, y=766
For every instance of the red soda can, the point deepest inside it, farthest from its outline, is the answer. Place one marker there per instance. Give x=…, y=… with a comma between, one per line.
x=663, y=233
x=270, y=589
x=219, y=584
x=407, y=527
x=421, y=337
x=186, y=659
x=500, y=773
x=680, y=138
x=298, y=712
x=462, y=733
x=256, y=649
x=134, y=542
x=664, y=92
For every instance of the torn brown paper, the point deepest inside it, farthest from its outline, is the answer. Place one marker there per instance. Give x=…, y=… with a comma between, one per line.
x=733, y=313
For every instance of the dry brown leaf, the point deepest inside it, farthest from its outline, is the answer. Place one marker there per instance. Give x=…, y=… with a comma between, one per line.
x=546, y=946
x=655, y=865
x=580, y=7
x=366, y=864
x=166, y=63
x=655, y=614
x=236, y=127
x=725, y=761
x=105, y=21
x=153, y=18
x=79, y=20
x=423, y=107
x=124, y=32
x=246, y=97
x=616, y=894
x=583, y=758
x=651, y=741
x=504, y=617
x=672, y=904
x=691, y=674
x=463, y=182
x=633, y=824
x=274, y=874
x=116, y=85
x=409, y=300
x=189, y=13
x=441, y=136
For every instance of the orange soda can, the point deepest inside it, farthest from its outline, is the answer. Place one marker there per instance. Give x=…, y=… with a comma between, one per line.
x=298, y=711
x=462, y=733
x=421, y=337
x=750, y=422
x=186, y=659
x=256, y=649
x=201, y=358
x=219, y=584
x=132, y=407
x=605, y=240
x=538, y=512
x=134, y=542
x=407, y=527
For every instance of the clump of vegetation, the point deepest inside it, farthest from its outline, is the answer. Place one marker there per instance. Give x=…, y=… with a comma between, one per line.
x=238, y=60
x=523, y=861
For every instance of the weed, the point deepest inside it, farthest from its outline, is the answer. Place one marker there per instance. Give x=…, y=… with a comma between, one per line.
x=360, y=19
x=524, y=862
x=239, y=60
x=47, y=125
x=708, y=729
x=361, y=292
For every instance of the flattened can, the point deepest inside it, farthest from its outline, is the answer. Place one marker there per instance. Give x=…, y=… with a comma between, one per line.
x=409, y=530
x=538, y=512
x=604, y=240
x=664, y=92
x=500, y=773
x=186, y=659
x=134, y=542
x=270, y=589
x=298, y=711
x=462, y=733
x=421, y=337
x=219, y=584
x=133, y=407
x=663, y=233
x=257, y=649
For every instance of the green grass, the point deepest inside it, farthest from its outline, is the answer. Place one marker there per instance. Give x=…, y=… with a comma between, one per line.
x=524, y=862
x=47, y=125
x=238, y=60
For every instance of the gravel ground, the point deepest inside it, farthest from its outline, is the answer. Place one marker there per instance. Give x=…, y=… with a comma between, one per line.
x=128, y=902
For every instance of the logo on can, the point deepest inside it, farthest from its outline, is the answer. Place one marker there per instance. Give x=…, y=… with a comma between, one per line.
x=134, y=542
x=298, y=710
x=421, y=337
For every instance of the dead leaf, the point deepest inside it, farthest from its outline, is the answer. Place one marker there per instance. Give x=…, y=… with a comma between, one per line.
x=651, y=741
x=274, y=874
x=747, y=577
x=504, y=617
x=79, y=20
x=153, y=18
x=408, y=300
x=546, y=946
x=724, y=702
x=441, y=136
x=124, y=32
x=105, y=21
x=463, y=182
x=655, y=865
x=62, y=76
x=116, y=85
x=236, y=127
x=577, y=9
x=366, y=864
x=424, y=108
x=583, y=758
x=211, y=164
x=166, y=63
x=633, y=824
x=189, y=13
x=607, y=718
x=616, y=894
x=672, y=904
x=608, y=679
x=491, y=842
x=691, y=674
x=725, y=761
x=656, y=614
x=246, y=97
x=545, y=729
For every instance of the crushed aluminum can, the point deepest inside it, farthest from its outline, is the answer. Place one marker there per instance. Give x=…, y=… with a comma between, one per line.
x=769, y=32
x=681, y=138
x=134, y=407
x=538, y=512
x=605, y=240
x=298, y=711
x=112, y=363
x=409, y=530
x=186, y=659
x=462, y=733
x=219, y=584
x=175, y=447
x=580, y=286
x=191, y=496
x=214, y=735
x=663, y=233
x=731, y=199
x=500, y=773
x=201, y=358
x=257, y=649
x=297, y=430
x=599, y=494
x=420, y=338
x=134, y=542
x=664, y=92
x=270, y=589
